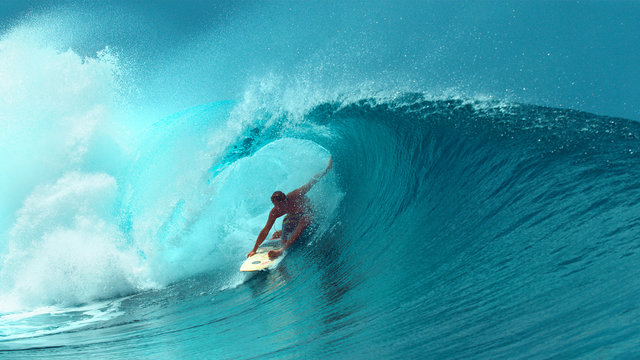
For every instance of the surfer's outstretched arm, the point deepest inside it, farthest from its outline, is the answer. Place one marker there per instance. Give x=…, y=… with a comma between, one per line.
x=306, y=187
x=264, y=232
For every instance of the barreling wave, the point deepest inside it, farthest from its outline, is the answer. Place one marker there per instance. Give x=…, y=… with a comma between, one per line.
x=507, y=224
x=459, y=220
x=465, y=227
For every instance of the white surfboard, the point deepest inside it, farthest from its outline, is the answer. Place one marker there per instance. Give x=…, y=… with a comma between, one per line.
x=260, y=260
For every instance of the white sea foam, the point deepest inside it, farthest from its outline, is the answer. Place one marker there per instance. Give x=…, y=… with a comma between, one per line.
x=33, y=323
x=57, y=114
x=64, y=247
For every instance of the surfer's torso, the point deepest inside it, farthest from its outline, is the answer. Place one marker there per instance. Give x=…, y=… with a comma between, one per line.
x=294, y=205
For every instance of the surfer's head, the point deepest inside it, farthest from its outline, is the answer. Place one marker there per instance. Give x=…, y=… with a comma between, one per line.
x=278, y=198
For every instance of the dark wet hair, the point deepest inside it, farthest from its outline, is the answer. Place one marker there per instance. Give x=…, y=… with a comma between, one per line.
x=278, y=196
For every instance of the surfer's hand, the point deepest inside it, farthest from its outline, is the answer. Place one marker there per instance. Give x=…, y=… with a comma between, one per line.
x=274, y=253
x=251, y=253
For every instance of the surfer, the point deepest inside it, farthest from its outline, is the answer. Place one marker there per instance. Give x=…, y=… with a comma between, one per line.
x=297, y=208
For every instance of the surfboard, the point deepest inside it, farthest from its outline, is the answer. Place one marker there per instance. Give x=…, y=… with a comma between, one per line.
x=260, y=260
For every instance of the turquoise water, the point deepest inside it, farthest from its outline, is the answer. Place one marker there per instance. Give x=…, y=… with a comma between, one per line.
x=482, y=204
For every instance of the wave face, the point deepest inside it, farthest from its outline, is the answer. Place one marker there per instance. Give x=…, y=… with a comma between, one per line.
x=451, y=225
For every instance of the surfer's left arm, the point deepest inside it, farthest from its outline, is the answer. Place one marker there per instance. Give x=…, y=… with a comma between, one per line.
x=306, y=187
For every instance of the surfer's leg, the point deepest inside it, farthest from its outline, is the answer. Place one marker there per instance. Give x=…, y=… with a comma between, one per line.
x=289, y=225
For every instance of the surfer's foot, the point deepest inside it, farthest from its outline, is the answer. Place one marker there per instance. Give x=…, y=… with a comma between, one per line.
x=274, y=253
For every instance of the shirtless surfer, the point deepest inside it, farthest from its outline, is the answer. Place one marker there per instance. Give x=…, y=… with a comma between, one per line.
x=297, y=208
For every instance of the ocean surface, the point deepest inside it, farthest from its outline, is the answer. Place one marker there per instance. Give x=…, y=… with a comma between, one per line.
x=483, y=202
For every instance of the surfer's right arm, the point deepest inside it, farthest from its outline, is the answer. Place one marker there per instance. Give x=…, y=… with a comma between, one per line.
x=264, y=232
